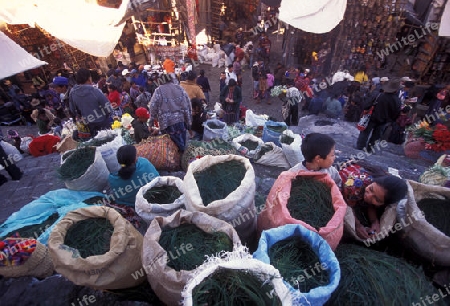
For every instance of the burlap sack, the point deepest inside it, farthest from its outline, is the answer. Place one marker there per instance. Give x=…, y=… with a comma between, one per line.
x=94, y=179
x=418, y=234
x=275, y=212
x=148, y=211
x=66, y=144
x=38, y=265
x=387, y=221
x=165, y=281
x=238, y=208
x=113, y=270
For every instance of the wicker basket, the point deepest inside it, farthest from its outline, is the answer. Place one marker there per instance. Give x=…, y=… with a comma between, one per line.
x=39, y=265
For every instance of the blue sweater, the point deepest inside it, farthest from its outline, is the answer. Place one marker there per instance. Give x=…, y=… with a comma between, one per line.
x=124, y=191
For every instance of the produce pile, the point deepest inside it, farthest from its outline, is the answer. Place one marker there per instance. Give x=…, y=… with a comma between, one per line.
x=77, y=163
x=437, y=213
x=162, y=195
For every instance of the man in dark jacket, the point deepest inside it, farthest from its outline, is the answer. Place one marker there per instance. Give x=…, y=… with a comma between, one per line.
x=387, y=109
x=89, y=105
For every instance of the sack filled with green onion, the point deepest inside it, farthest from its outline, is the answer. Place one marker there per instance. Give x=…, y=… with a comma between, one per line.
x=291, y=144
x=107, y=143
x=305, y=260
x=175, y=245
x=250, y=142
x=223, y=187
x=425, y=220
x=161, y=197
x=84, y=169
x=197, y=149
x=370, y=277
x=311, y=199
x=270, y=154
x=98, y=248
x=235, y=278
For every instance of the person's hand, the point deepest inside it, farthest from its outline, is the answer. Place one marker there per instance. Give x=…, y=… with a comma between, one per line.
x=361, y=231
x=375, y=227
x=154, y=131
x=227, y=100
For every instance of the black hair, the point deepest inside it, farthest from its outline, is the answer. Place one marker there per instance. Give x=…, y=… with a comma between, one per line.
x=231, y=82
x=112, y=86
x=83, y=76
x=394, y=186
x=317, y=144
x=191, y=75
x=406, y=109
x=202, y=72
x=126, y=157
x=141, y=89
x=230, y=66
x=41, y=111
x=196, y=103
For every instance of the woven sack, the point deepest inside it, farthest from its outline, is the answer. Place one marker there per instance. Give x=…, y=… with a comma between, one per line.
x=276, y=213
x=274, y=158
x=148, y=211
x=161, y=151
x=270, y=135
x=418, y=234
x=39, y=264
x=292, y=152
x=413, y=147
x=165, y=281
x=94, y=179
x=198, y=149
x=112, y=270
x=109, y=149
x=243, y=138
x=66, y=144
x=238, y=208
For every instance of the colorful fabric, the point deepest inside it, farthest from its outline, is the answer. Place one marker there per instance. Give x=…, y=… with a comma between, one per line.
x=161, y=151
x=354, y=181
x=43, y=145
x=15, y=251
x=177, y=133
x=128, y=213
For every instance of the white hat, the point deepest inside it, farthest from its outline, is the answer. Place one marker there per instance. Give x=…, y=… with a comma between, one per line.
x=147, y=67
x=406, y=79
x=125, y=71
x=384, y=79
x=307, y=71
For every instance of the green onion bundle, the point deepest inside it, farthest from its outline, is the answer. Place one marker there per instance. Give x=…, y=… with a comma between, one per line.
x=200, y=242
x=77, y=163
x=97, y=142
x=286, y=139
x=94, y=200
x=437, y=213
x=213, y=125
x=234, y=287
x=249, y=144
x=162, y=195
x=35, y=230
x=219, y=180
x=91, y=237
x=370, y=277
x=277, y=128
x=295, y=258
x=310, y=201
x=67, y=154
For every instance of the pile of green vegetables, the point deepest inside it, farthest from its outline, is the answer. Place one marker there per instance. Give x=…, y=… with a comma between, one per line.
x=162, y=194
x=77, y=163
x=437, y=213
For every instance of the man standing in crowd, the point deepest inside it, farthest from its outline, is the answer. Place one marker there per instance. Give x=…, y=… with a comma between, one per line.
x=171, y=106
x=88, y=105
x=191, y=88
x=203, y=82
x=229, y=72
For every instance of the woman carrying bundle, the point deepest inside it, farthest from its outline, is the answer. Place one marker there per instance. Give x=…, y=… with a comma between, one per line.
x=134, y=173
x=362, y=191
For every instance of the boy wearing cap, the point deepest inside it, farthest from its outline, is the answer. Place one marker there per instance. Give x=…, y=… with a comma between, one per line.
x=141, y=129
x=61, y=86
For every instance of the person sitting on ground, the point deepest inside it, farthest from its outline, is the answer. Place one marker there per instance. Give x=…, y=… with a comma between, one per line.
x=134, y=173
x=198, y=117
x=190, y=86
x=318, y=151
x=141, y=129
x=115, y=99
x=231, y=98
x=44, y=120
x=9, y=165
x=333, y=106
x=370, y=193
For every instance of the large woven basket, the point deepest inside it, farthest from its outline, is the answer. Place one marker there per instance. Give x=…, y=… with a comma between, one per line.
x=39, y=265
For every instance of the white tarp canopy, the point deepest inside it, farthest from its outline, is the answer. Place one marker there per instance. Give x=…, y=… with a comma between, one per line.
x=86, y=26
x=14, y=59
x=444, y=28
x=318, y=16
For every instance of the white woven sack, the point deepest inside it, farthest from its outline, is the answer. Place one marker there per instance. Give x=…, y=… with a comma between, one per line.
x=94, y=179
x=109, y=150
x=251, y=119
x=274, y=157
x=239, y=259
x=238, y=208
x=242, y=138
x=292, y=151
x=148, y=211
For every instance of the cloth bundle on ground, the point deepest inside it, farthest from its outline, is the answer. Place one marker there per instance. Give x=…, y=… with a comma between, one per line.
x=12, y=152
x=112, y=270
x=239, y=143
x=161, y=151
x=238, y=208
x=39, y=264
x=95, y=178
x=271, y=155
x=148, y=211
x=109, y=149
x=197, y=149
x=214, y=129
x=292, y=151
x=59, y=201
x=319, y=295
x=419, y=235
x=166, y=281
x=276, y=213
x=272, y=132
x=43, y=145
